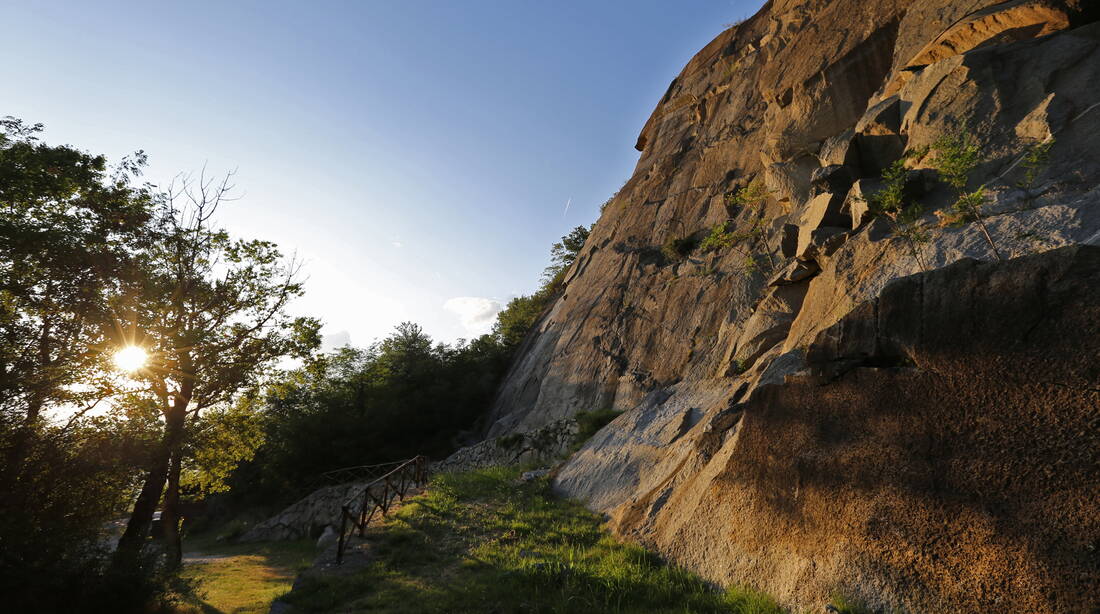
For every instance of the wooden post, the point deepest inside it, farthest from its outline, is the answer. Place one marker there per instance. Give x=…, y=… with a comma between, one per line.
x=343, y=529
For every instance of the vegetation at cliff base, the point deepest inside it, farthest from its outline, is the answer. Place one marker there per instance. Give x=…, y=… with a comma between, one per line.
x=152, y=378
x=485, y=542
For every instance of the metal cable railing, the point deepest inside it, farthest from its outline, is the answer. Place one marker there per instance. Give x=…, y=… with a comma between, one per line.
x=378, y=494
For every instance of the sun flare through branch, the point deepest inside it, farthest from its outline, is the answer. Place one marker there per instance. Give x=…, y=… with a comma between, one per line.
x=130, y=358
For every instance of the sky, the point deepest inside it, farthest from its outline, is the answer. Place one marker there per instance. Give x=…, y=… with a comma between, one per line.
x=419, y=157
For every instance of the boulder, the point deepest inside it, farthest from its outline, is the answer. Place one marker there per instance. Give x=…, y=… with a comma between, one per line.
x=789, y=181
x=832, y=179
x=770, y=321
x=840, y=149
x=856, y=203
x=820, y=242
x=794, y=272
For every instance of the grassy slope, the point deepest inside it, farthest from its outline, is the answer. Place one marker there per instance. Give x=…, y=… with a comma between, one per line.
x=480, y=542
x=242, y=578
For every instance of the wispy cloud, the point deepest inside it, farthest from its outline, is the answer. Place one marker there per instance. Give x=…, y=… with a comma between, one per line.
x=476, y=313
x=397, y=244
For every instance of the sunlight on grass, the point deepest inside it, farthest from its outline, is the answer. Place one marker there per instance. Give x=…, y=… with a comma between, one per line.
x=244, y=578
x=480, y=542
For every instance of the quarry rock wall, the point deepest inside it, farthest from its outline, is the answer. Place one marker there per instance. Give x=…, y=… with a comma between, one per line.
x=930, y=477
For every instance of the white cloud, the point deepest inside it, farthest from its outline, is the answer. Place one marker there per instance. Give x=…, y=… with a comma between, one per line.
x=475, y=313
x=398, y=244
x=335, y=341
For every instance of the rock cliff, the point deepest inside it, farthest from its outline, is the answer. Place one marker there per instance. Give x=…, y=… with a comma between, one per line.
x=825, y=403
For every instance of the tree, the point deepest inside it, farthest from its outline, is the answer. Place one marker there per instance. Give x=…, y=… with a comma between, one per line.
x=564, y=253
x=211, y=314
x=67, y=227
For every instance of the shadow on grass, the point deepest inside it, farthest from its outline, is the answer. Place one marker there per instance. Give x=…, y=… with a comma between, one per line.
x=481, y=542
x=240, y=578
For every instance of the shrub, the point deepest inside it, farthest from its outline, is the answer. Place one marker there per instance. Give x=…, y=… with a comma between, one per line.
x=677, y=248
x=893, y=203
x=1035, y=160
x=509, y=442
x=589, y=422
x=748, y=195
x=956, y=157
x=719, y=238
x=965, y=210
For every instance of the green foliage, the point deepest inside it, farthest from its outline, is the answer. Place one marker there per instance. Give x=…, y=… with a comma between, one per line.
x=749, y=195
x=1036, y=158
x=220, y=440
x=69, y=226
x=891, y=199
x=847, y=605
x=480, y=542
x=510, y=442
x=72, y=231
x=589, y=422
x=678, y=248
x=739, y=366
x=956, y=155
x=564, y=253
x=966, y=209
x=520, y=314
x=403, y=396
x=893, y=202
x=720, y=238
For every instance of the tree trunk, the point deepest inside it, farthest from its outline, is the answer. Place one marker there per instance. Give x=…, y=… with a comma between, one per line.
x=170, y=517
x=128, y=553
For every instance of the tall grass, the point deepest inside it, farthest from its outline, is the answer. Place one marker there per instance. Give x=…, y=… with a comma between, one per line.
x=482, y=542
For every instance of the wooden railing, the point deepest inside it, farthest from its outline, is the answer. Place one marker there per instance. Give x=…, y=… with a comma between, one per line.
x=347, y=475
x=379, y=495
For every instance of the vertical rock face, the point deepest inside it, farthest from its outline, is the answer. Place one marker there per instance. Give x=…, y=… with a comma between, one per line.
x=835, y=88
x=940, y=454
x=802, y=107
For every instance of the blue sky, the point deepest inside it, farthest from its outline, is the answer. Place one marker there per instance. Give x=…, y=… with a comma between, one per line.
x=417, y=155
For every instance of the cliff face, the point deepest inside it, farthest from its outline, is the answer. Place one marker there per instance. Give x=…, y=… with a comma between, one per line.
x=859, y=485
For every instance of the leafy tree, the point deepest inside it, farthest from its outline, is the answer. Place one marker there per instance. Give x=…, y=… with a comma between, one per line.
x=211, y=312
x=957, y=155
x=69, y=227
x=564, y=253
x=66, y=229
x=518, y=316
x=403, y=396
x=893, y=202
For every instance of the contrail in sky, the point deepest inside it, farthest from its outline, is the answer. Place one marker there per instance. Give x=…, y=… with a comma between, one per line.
x=567, y=203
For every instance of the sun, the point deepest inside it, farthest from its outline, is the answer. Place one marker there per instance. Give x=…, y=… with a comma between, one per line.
x=130, y=358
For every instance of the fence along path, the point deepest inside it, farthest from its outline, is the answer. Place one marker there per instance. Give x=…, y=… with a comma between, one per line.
x=377, y=495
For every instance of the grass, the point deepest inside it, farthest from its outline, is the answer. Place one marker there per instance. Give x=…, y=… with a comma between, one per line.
x=242, y=578
x=482, y=542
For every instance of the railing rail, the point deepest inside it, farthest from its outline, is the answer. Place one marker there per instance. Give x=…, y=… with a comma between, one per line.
x=378, y=494
x=347, y=475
